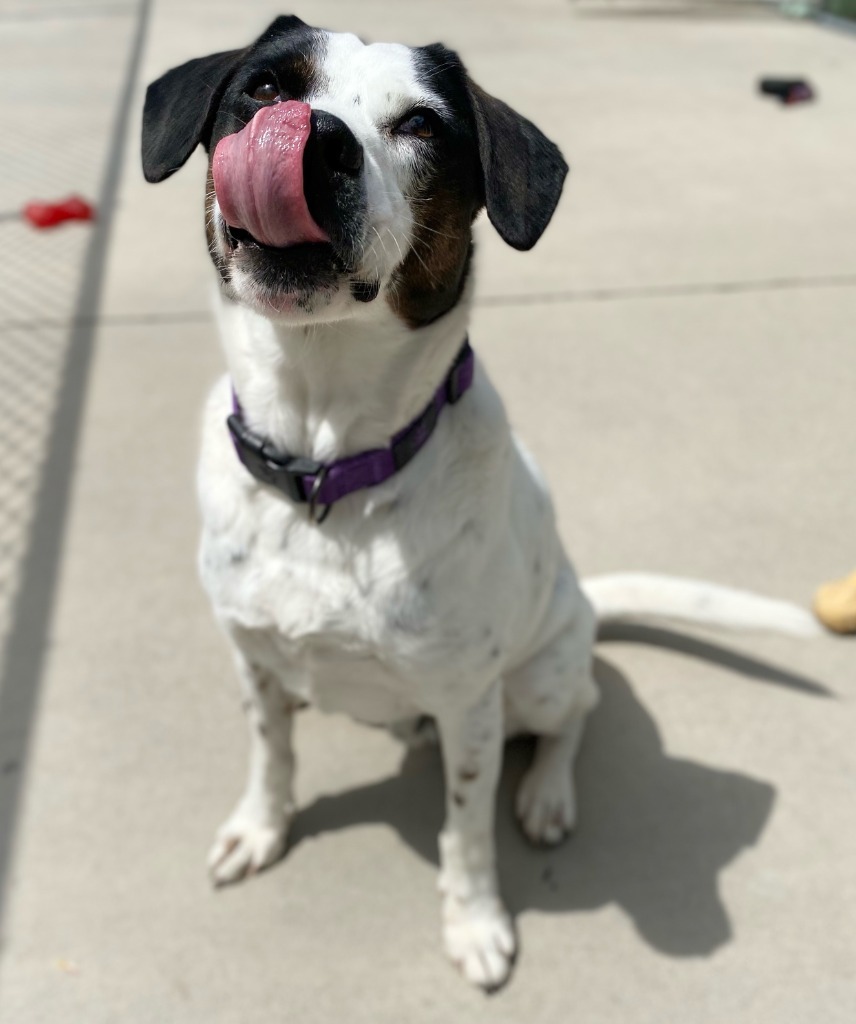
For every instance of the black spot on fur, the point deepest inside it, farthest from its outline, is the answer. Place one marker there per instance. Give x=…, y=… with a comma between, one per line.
x=472, y=530
x=365, y=291
x=409, y=618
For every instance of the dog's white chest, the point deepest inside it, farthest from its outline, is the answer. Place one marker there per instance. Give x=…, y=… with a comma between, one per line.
x=342, y=628
x=337, y=679
x=425, y=589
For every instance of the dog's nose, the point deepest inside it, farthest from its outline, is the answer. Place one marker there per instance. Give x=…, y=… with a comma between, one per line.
x=333, y=180
x=335, y=144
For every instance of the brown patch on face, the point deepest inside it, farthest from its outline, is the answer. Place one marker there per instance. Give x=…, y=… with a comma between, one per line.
x=430, y=280
x=447, y=198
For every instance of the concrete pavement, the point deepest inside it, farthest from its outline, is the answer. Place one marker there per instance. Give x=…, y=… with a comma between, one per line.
x=678, y=353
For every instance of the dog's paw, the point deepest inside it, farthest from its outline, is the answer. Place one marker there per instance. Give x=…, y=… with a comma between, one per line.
x=246, y=845
x=479, y=939
x=546, y=804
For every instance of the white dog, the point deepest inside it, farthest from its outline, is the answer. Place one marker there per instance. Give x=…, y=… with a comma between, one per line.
x=375, y=540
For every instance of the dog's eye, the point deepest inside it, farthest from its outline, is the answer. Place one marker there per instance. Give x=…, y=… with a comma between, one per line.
x=418, y=123
x=264, y=91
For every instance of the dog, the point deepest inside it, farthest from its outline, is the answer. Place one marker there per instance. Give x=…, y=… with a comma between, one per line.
x=375, y=539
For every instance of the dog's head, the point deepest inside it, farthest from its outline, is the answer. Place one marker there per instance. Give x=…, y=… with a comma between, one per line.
x=340, y=171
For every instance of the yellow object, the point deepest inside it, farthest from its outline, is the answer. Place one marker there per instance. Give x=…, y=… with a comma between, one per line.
x=835, y=604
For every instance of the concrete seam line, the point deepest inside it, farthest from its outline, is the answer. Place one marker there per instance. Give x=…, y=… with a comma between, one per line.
x=24, y=656
x=617, y=293
x=669, y=291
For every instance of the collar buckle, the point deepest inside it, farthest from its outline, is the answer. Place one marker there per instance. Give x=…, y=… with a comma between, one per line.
x=319, y=485
x=267, y=465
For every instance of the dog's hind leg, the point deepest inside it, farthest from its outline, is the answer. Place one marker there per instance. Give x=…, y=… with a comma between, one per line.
x=546, y=802
x=254, y=836
x=477, y=930
x=550, y=696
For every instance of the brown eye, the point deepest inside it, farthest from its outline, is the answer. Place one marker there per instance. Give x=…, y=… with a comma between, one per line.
x=266, y=92
x=417, y=124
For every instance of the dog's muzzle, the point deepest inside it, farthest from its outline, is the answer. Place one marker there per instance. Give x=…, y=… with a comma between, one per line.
x=281, y=173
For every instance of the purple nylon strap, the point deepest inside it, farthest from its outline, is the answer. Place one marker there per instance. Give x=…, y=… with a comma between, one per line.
x=321, y=484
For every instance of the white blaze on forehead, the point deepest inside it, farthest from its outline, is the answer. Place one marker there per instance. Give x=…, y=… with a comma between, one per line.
x=369, y=86
x=377, y=80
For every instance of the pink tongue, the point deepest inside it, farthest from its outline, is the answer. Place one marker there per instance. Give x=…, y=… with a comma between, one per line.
x=258, y=177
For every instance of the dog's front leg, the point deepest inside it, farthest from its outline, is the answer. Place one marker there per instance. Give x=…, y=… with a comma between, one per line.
x=254, y=836
x=477, y=931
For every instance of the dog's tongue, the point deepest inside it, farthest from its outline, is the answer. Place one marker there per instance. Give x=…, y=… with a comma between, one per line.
x=258, y=177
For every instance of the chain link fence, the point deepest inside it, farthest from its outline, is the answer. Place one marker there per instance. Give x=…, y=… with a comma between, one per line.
x=49, y=152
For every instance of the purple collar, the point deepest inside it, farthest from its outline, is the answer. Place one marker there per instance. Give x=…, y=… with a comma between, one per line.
x=321, y=484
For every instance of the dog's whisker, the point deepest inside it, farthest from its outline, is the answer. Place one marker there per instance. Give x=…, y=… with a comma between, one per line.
x=436, y=231
x=431, y=275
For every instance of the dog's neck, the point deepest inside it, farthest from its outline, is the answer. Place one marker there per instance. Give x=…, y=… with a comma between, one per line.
x=330, y=390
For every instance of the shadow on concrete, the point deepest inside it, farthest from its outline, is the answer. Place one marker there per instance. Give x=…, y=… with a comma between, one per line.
x=654, y=832
x=725, y=657
x=22, y=662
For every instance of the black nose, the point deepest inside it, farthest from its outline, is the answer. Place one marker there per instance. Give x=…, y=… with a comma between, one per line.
x=335, y=144
x=332, y=181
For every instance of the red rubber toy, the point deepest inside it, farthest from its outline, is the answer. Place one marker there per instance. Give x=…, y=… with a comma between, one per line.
x=48, y=215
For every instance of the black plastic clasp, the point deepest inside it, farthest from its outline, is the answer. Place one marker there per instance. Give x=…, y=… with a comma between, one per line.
x=269, y=466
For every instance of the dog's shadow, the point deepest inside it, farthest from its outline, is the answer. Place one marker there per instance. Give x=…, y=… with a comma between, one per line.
x=654, y=831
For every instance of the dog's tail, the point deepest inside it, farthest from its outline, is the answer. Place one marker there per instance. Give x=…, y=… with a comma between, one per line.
x=632, y=596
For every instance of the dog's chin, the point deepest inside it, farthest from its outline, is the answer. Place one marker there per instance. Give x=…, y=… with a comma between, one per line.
x=294, y=283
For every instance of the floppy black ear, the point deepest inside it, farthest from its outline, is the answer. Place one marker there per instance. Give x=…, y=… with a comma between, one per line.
x=179, y=111
x=523, y=171
x=181, y=105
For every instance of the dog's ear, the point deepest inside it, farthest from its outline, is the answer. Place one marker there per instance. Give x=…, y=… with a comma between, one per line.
x=523, y=171
x=179, y=111
x=181, y=105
